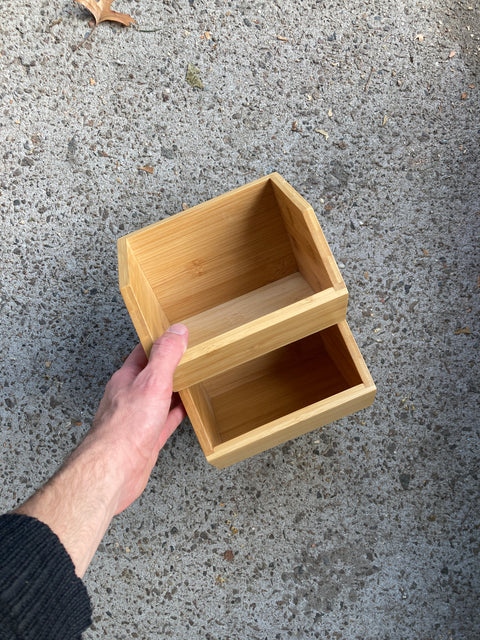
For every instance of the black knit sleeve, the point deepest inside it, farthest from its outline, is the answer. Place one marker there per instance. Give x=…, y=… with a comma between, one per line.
x=41, y=597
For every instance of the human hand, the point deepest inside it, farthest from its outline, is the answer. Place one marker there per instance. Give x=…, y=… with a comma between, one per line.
x=111, y=467
x=138, y=413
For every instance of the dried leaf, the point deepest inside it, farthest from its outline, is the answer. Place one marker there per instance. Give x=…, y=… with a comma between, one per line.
x=322, y=132
x=465, y=330
x=464, y=95
x=452, y=53
x=146, y=169
x=101, y=11
x=228, y=555
x=193, y=77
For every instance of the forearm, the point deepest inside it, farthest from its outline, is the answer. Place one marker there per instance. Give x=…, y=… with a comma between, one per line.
x=79, y=502
x=111, y=467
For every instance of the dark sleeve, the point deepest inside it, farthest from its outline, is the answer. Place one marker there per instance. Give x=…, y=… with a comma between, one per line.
x=41, y=597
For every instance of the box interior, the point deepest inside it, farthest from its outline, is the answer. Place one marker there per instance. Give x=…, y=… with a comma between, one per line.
x=276, y=384
x=232, y=260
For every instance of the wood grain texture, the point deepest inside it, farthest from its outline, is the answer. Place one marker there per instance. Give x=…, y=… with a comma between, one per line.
x=215, y=252
x=251, y=306
x=314, y=257
x=247, y=272
x=291, y=426
x=145, y=311
x=286, y=393
x=199, y=408
x=270, y=355
x=259, y=336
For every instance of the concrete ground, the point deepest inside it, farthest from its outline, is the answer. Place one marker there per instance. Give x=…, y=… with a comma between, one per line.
x=368, y=529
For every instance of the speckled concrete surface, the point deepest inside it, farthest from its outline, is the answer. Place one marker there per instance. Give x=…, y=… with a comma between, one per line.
x=368, y=529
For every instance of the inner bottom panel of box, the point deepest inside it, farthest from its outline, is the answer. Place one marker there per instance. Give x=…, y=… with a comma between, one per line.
x=278, y=383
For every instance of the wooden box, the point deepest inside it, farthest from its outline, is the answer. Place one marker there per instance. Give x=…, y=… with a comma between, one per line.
x=279, y=396
x=248, y=272
x=270, y=355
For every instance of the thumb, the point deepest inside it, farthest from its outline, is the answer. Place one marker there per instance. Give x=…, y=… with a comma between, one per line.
x=168, y=350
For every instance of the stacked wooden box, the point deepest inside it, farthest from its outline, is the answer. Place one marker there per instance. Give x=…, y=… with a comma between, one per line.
x=270, y=354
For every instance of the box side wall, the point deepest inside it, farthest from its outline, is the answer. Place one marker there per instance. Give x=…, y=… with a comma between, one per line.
x=311, y=249
x=199, y=409
x=342, y=346
x=286, y=380
x=259, y=337
x=145, y=311
x=292, y=426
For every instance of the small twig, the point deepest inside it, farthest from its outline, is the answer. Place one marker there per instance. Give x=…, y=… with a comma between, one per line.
x=54, y=23
x=85, y=39
x=368, y=79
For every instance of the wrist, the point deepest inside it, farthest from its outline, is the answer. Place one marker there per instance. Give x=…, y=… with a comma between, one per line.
x=95, y=466
x=78, y=503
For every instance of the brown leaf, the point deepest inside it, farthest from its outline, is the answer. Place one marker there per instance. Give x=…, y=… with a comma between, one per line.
x=146, y=169
x=101, y=11
x=228, y=555
x=452, y=54
x=465, y=330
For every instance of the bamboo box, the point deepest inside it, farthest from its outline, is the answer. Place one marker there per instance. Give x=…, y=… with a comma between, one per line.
x=248, y=272
x=280, y=395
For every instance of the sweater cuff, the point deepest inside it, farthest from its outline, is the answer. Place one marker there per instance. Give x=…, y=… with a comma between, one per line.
x=41, y=597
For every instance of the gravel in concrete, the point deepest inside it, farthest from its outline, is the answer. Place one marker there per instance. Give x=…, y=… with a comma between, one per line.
x=369, y=528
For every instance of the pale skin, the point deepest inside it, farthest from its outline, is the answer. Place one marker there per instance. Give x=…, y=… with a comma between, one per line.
x=110, y=469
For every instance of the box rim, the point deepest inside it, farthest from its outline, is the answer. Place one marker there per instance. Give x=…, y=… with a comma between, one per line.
x=255, y=439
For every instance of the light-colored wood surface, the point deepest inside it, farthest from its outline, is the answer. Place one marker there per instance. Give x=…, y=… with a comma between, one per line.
x=200, y=411
x=270, y=355
x=251, y=306
x=291, y=426
x=216, y=251
x=247, y=272
x=147, y=315
x=259, y=336
x=286, y=393
x=312, y=253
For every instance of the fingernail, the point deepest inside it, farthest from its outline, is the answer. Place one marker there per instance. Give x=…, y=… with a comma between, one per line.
x=179, y=329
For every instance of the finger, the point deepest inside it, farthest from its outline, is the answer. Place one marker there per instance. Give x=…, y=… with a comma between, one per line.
x=136, y=361
x=174, y=418
x=167, y=352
